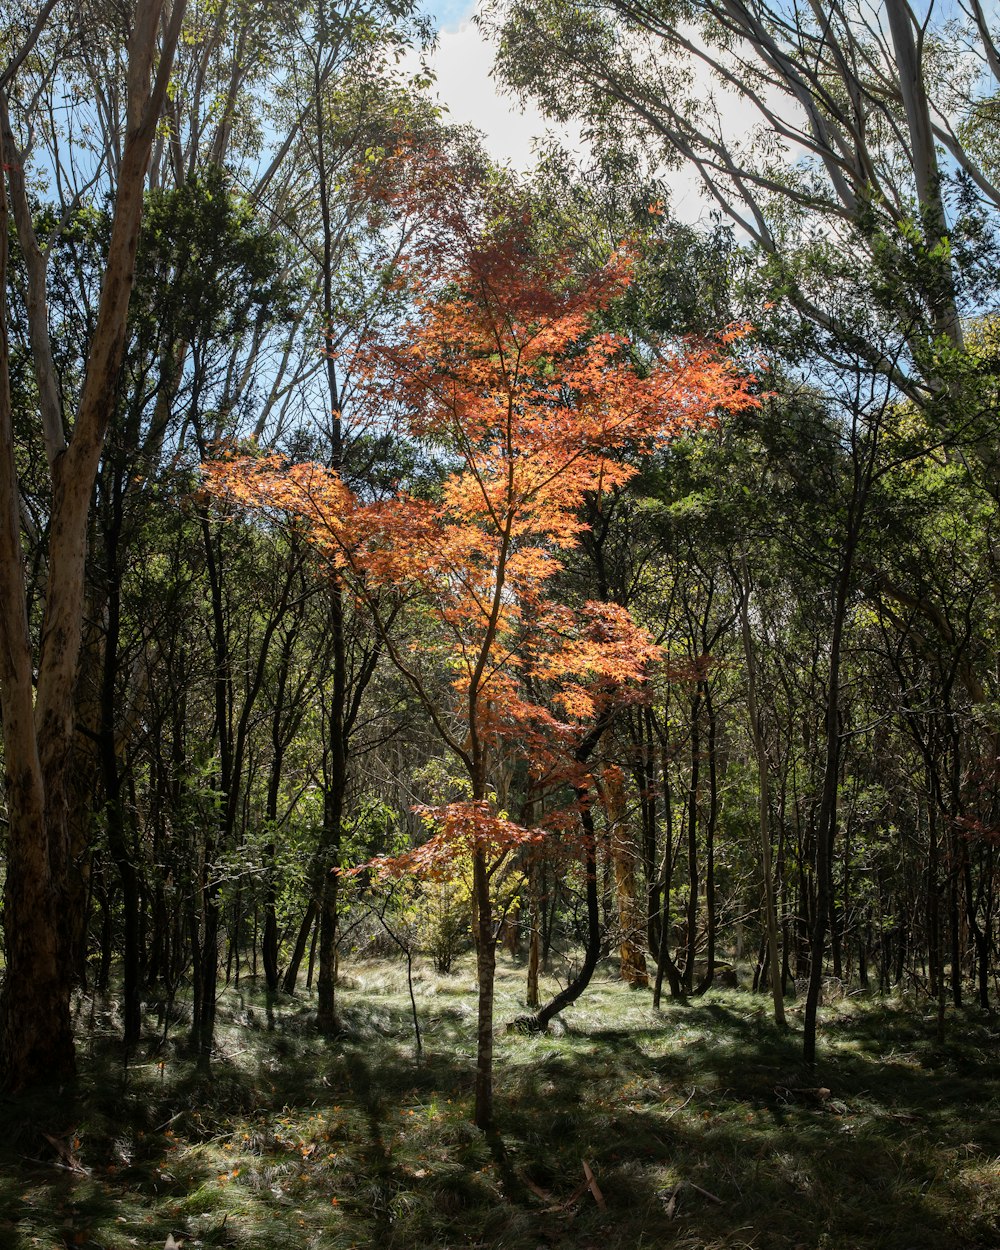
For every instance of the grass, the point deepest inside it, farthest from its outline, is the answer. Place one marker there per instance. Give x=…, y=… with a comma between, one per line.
x=700, y=1126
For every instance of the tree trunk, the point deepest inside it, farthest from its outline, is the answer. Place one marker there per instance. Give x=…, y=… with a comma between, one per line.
x=632, y=959
x=486, y=962
x=692, y=843
x=665, y=965
x=827, y=824
x=333, y=814
x=710, y=825
x=764, y=806
x=38, y=706
x=593, y=950
x=299, y=950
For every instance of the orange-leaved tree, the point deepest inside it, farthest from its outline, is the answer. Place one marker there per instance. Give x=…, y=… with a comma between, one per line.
x=533, y=412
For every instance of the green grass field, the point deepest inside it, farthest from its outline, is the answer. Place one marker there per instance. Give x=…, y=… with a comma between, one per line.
x=699, y=1125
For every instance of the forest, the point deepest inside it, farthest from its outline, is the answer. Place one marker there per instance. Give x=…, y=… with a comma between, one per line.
x=499, y=679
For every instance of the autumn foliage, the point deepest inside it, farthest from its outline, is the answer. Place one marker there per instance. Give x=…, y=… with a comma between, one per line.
x=533, y=411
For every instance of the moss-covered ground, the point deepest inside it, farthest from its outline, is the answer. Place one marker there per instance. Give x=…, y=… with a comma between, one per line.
x=699, y=1125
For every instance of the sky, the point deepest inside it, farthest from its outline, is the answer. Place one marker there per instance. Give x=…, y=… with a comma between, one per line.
x=462, y=63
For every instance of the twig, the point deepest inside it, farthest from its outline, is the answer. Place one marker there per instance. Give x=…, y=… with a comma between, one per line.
x=167, y=1123
x=706, y=1194
x=682, y=1106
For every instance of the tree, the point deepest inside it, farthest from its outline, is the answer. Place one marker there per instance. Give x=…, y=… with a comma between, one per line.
x=37, y=681
x=882, y=109
x=211, y=319
x=533, y=414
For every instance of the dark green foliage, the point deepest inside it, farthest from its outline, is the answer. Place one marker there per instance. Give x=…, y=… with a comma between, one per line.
x=209, y=265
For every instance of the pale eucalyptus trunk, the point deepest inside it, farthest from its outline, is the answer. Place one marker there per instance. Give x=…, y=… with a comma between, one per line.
x=38, y=722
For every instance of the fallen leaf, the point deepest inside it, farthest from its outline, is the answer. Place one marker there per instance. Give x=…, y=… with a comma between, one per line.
x=593, y=1186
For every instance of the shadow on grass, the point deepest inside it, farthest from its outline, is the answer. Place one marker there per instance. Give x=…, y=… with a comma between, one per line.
x=699, y=1125
x=717, y=1131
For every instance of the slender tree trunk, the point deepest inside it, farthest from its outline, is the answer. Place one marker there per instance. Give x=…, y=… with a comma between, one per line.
x=665, y=965
x=710, y=826
x=327, y=1021
x=486, y=960
x=593, y=949
x=979, y=938
x=336, y=778
x=764, y=806
x=269, y=940
x=333, y=815
x=534, y=933
x=299, y=949
x=206, y=977
x=827, y=823
x=694, y=798
x=269, y=936
x=935, y=945
x=646, y=781
x=311, y=966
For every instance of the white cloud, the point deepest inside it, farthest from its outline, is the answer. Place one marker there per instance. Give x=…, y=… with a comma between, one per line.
x=462, y=62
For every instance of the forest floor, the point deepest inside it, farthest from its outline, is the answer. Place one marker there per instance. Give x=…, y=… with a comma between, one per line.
x=699, y=1125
